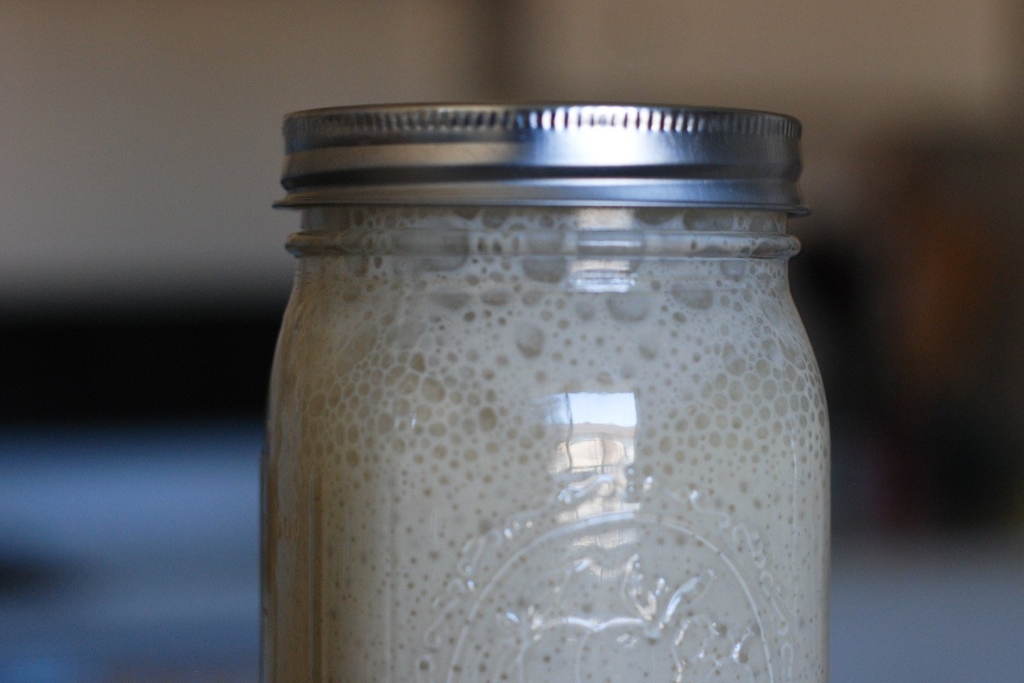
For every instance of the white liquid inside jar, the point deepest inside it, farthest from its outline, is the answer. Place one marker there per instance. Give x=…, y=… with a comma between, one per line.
x=544, y=445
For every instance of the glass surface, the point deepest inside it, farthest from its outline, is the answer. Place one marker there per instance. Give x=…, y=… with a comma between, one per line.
x=559, y=445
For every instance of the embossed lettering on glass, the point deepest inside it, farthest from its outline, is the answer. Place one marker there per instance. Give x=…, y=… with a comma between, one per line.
x=542, y=409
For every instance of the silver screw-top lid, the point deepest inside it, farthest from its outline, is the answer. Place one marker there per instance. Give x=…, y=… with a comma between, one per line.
x=544, y=155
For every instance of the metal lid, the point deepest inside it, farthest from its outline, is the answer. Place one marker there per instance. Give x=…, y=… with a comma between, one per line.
x=552, y=154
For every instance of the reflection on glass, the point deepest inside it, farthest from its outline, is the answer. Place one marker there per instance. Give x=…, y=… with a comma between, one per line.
x=594, y=454
x=605, y=274
x=602, y=275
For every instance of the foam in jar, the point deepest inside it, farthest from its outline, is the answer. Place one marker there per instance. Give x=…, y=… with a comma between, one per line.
x=543, y=444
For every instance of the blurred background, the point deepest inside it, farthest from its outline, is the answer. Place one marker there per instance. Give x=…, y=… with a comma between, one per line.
x=142, y=279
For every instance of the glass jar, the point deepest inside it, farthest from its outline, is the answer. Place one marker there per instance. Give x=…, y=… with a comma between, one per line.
x=542, y=409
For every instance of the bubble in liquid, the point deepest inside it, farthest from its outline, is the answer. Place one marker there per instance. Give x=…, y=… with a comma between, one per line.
x=432, y=390
x=488, y=420
x=697, y=299
x=495, y=297
x=733, y=269
x=629, y=308
x=417, y=362
x=452, y=301
x=530, y=341
x=549, y=269
x=648, y=352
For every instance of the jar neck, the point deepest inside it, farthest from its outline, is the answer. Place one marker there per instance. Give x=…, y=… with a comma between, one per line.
x=580, y=232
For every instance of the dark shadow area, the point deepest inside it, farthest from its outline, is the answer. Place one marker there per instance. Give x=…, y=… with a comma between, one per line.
x=136, y=366
x=915, y=315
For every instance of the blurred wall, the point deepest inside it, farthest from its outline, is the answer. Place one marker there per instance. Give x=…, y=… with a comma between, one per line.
x=140, y=141
x=140, y=145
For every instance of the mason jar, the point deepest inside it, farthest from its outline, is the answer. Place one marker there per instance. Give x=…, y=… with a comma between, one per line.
x=542, y=409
